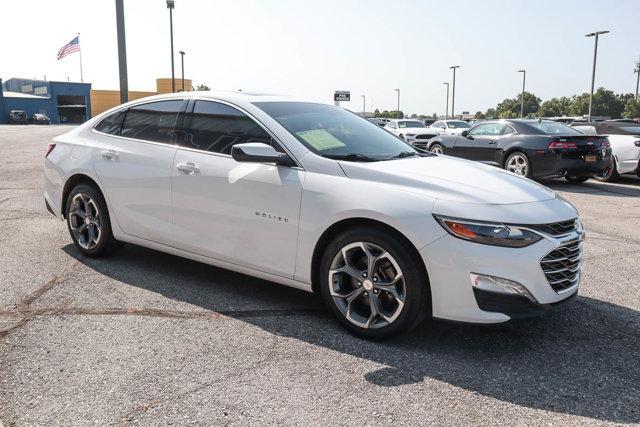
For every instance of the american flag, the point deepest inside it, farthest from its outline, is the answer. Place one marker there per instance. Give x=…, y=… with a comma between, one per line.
x=72, y=46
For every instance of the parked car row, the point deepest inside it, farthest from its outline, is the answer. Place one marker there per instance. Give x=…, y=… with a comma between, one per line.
x=20, y=117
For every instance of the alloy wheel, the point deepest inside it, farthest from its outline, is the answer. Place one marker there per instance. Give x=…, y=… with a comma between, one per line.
x=367, y=285
x=84, y=221
x=518, y=164
x=437, y=149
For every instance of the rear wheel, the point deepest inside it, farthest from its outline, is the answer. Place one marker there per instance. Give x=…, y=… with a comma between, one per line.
x=437, y=149
x=577, y=179
x=609, y=174
x=372, y=284
x=518, y=163
x=89, y=223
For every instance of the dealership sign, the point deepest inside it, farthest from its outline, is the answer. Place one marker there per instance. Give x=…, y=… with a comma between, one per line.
x=342, y=95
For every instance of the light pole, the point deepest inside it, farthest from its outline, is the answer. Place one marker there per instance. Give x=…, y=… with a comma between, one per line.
x=593, y=72
x=364, y=106
x=453, y=91
x=398, y=110
x=182, y=60
x=524, y=77
x=446, y=114
x=170, y=6
x=122, y=53
x=637, y=71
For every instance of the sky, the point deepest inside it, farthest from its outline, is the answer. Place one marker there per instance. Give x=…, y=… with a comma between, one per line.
x=309, y=48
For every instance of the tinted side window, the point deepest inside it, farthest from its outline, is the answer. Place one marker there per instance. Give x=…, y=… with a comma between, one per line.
x=489, y=129
x=217, y=127
x=507, y=130
x=152, y=122
x=111, y=124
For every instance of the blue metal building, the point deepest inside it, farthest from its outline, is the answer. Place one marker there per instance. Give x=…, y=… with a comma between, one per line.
x=63, y=102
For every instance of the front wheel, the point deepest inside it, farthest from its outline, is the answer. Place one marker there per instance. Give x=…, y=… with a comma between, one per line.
x=437, y=149
x=89, y=223
x=518, y=163
x=372, y=283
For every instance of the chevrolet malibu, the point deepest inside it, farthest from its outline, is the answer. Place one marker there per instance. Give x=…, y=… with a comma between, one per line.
x=314, y=197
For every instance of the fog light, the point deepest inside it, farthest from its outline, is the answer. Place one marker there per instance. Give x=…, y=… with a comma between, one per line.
x=499, y=285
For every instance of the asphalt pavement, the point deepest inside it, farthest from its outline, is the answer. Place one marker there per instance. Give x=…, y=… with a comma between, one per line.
x=149, y=338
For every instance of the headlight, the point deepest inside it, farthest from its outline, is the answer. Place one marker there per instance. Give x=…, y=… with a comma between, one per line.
x=489, y=234
x=411, y=134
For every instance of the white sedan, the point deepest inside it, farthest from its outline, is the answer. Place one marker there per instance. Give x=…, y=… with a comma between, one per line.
x=412, y=131
x=624, y=137
x=315, y=197
x=450, y=127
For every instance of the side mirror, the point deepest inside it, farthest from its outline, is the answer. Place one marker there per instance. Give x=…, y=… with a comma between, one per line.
x=465, y=133
x=258, y=152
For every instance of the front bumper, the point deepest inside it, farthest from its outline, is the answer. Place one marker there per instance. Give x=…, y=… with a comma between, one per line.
x=559, y=163
x=451, y=261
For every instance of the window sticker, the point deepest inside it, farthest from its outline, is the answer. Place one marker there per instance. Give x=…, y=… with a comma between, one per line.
x=320, y=139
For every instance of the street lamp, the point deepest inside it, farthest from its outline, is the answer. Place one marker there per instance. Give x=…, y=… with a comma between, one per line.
x=364, y=106
x=593, y=72
x=182, y=60
x=524, y=76
x=637, y=70
x=446, y=114
x=453, y=91
x=122, y=53
x=170, y=6
x=398, y=110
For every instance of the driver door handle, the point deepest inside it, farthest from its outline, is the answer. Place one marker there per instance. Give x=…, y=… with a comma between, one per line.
x=188, y=168
x=493, y=142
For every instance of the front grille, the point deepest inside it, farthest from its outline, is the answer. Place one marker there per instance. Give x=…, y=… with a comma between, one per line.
x=561, y=266
x=425, y=136
x=556, y=228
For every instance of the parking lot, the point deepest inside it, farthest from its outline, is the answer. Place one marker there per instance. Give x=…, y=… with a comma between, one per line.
x=149, y=338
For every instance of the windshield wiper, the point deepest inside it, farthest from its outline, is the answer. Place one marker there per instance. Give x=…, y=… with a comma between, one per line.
x=404, y=154
x=351, y=157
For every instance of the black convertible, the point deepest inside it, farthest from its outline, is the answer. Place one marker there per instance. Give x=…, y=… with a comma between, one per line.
x=532, y=148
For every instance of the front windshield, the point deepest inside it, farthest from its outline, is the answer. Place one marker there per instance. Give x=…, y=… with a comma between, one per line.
x=336, y=133
x=458, y=124
x=410, y=124
x=553, y=128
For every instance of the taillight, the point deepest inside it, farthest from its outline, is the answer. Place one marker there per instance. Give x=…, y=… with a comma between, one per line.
x=606, y=144
x=50, y=147
x=562, y=144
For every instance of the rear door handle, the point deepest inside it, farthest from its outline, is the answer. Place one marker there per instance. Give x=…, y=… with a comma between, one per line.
x=109, y=154
x=493, y=142
x=188, y=168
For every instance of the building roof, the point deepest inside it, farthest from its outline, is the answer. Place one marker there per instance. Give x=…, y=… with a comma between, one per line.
x=23, y=95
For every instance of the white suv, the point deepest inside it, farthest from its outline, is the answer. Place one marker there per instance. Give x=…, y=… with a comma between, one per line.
x=450, y=127
x=315, y=197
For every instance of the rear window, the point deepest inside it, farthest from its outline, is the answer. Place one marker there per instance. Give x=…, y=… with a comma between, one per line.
x=553, y=128
x=111, y=124
x=151, y=122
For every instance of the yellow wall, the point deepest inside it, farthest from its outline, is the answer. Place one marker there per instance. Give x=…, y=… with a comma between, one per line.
x=102, y=100
x=163, y=85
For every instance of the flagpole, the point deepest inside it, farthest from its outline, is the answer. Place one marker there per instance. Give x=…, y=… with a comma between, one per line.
x=80, y=52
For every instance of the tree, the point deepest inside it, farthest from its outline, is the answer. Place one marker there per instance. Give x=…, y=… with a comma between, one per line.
x=605, y=103
x=393, y=114
x=479, y=116
x=632, y=109
x=376, y=113
x=414, y=116
x=556, y=107
x=510, y=108
x=491, y=113
x=203, y=87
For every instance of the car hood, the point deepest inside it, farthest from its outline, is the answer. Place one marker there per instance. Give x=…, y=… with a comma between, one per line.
x=452, y=179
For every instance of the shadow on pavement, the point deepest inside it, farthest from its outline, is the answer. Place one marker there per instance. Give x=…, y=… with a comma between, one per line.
x=582, y=359
x=624, y=187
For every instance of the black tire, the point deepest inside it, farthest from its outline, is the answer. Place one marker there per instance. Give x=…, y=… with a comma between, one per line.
x=105, y=244
x=417, y=293
x=401, y=136
x=577, y=179
x=435, y=147
x=608, y=175
x=528, y=172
